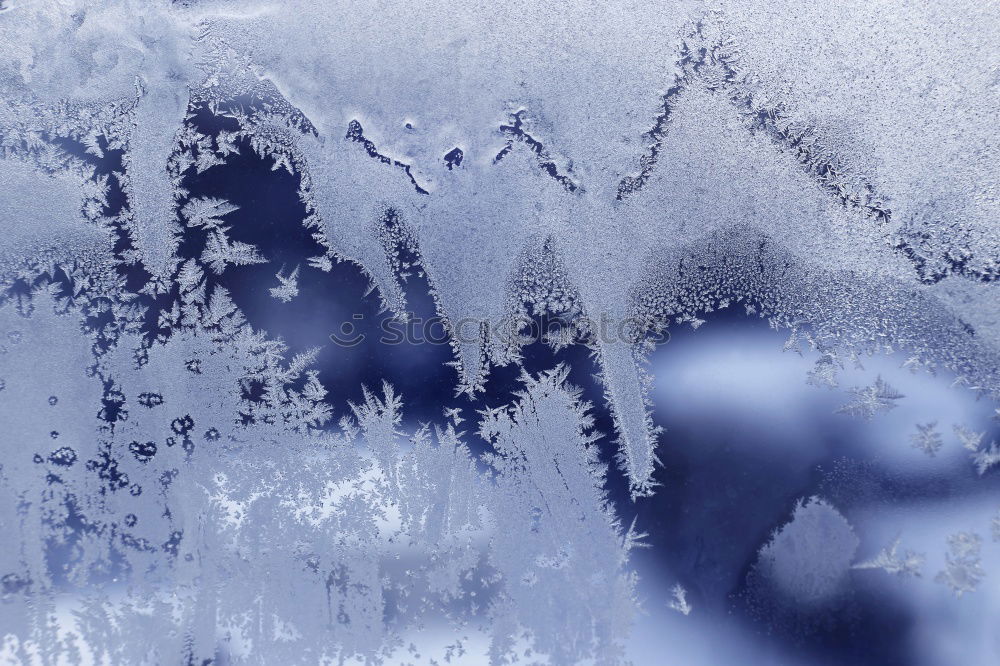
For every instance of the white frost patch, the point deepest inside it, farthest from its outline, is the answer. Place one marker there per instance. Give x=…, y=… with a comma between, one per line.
x=810, y=556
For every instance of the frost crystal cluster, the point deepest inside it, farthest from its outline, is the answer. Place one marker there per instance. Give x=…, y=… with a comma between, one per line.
x=178, y=485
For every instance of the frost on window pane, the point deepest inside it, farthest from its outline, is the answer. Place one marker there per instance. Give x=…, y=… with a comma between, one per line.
x=962, y=572
x=188, y=474
x=808, y=559
x=679, y=601
x=907, y=563
x=927, y=439
x=870, y=401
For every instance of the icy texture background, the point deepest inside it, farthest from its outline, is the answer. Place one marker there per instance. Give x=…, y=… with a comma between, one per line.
x=793, y=460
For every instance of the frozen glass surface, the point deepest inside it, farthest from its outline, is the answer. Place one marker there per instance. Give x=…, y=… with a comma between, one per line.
x=517, y=333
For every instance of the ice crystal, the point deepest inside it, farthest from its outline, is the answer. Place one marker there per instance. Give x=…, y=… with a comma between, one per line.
x=983, y=457
x=870, y=401
x=549, y=483
x=968, y=439
x=927, y=438
x=963, y=571
x=909, y=563
x=986, y=457
x=824, y=374
x=679, y=601
x=288, y=286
